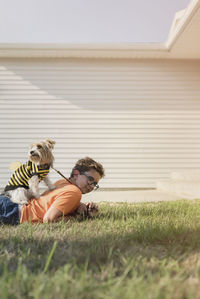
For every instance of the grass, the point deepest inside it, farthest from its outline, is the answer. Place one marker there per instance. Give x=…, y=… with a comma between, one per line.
x=128, y=251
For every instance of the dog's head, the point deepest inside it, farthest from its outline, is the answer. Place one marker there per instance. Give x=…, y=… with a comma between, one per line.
x=41, y=152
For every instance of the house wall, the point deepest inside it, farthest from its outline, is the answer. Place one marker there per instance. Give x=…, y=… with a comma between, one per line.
x=140, y=118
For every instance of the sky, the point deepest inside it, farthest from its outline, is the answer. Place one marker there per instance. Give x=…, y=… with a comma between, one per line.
x=87, y=21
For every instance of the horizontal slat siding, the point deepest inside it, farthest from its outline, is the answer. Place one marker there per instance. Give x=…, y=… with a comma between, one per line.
x=141, y=119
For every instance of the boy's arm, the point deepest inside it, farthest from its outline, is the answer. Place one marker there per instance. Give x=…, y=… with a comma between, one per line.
x=65, y=203
x=52, y=215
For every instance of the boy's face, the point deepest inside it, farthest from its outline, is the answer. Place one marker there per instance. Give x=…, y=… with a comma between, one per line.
x=85, y=181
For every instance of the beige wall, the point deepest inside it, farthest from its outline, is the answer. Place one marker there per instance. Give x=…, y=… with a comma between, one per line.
x=141, y=119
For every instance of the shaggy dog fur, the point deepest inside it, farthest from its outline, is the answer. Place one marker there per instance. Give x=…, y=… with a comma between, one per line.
x=24, y=184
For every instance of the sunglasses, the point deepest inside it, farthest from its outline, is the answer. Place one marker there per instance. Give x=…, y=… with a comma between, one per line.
x=91, y=181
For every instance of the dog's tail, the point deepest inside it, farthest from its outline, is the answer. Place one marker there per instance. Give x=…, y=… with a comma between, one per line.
x=15, y=165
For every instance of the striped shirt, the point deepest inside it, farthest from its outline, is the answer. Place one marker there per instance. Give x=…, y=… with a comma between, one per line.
x=22, y=175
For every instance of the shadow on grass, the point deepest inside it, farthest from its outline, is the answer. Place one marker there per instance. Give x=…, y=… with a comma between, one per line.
x=102, y=249
x=123, y=231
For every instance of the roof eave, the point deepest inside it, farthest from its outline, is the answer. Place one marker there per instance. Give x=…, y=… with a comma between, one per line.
x=112, y=50
x=105, y=50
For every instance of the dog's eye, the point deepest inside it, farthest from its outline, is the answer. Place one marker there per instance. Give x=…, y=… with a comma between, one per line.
x=39, y=147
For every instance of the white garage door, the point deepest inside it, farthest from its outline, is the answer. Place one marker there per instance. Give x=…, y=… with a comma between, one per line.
x=139, y=118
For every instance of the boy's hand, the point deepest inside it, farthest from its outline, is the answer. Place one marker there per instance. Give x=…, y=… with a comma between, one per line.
x=89, y=209
x=82, y=209
x=92, y=209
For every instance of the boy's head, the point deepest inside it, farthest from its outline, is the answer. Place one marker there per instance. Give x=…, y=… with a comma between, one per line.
x=86, y=164
x=86, y=174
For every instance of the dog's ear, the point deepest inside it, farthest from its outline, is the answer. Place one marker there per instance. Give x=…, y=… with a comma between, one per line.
x=50, y=143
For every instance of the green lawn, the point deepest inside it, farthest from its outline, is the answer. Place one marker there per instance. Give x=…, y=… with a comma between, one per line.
x=128, y=251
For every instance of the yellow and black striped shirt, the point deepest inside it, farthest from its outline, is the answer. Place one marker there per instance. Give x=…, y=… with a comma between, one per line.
x=22, y=175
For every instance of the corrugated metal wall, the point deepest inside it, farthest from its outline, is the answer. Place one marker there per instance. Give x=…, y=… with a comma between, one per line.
x=141, y=119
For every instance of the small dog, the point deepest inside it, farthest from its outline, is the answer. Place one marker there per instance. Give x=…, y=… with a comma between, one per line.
x=24, y=183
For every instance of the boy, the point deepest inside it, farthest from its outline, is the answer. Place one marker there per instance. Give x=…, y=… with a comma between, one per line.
x=64, y=200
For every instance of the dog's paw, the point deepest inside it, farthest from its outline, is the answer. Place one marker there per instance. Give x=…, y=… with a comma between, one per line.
x=36, y=195
x=25, y=203
x=52, y=187
x=21, y=202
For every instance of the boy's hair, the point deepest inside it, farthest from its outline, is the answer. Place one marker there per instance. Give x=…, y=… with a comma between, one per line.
x=86, y=164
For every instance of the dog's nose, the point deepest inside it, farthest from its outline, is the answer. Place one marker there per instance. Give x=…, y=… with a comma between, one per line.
x=31, y=152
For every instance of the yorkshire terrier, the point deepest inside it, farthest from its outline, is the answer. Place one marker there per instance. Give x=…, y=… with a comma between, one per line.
x=24, y=183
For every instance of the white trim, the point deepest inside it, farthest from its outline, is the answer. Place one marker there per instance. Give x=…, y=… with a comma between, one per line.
x=113, y=50
x=190, y=12
x=107, y=50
